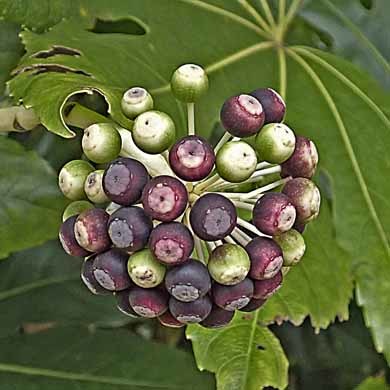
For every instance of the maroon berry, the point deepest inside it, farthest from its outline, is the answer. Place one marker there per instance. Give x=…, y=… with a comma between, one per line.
x=68, y=239
x=91, y=230
x=263, y=289
x=167, y=319
x=190, y=312
x=164, y=198
x=303, y=162
x=150, y=302
x=218, y=318
x=299, y=227
x=233, y=297
x=273, y=104
x=266, y=258
x=274, y=213
x=171, y=243
x=123, y=181
x=123, y=303
x=253, y=305
x=89, y=279
x=213, y=217
x=192, y=158
x=242, y=115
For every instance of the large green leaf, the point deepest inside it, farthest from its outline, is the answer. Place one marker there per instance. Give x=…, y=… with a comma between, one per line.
x=74, y=358
x=244, y=356
x=378, y=383
x=31, y=203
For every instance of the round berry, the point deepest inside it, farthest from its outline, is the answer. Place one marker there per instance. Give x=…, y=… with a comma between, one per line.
x=149, y=303
x=164, y=198
x=68, y=239
x=233, y=297
x=93, y=187
x=218, y=318
x=242, y=115
x=135, y=101
x=89, y=279
x=253, y=305
x=293, y=247
x=76, y=208
x=192, y=158
x=167, y=319
x=264, y=289
x=273, y=104
x=123, y=303
x=190, y=312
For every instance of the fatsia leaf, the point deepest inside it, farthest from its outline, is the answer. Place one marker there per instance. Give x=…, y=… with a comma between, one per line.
x=378, y=383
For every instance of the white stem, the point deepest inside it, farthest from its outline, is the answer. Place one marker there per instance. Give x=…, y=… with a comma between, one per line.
x=262, y=165
x=199, y=249
x=261, y=190
x=235, y=139
x=225, y=138
x=250, y=227
x=206, y=183
x=243, y=205
x=243, y=234
x=240, y=239
x=211, y=245
x=218, y=243
x=229, y=240
x=266, y=171
x=191, y=118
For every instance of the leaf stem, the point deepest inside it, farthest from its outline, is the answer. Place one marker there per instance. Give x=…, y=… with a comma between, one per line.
x=282, y=72
x=268, y=13
x=256, y=16
x=191, y=118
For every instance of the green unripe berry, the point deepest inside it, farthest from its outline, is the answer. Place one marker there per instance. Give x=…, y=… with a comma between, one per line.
x=72, y=177
x=93, y=187
x=275, y=143
x=135, y=101
x=144, y=270
x=236, y=161
x=229, y=264
x=101, y=142
x=153, y=132
x=76, y=208
x=189, y=82
x=293, y=246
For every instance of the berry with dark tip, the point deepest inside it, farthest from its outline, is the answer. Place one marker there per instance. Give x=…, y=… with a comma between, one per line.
x=306, y=198
x=91, y=230
x=93, y=187
x=89, y=279
x=233, y=297
x=76, y=208
x=229, y=264
x=263, y=289
x=167, y=319
x=266, y=258
x=242, y=115
x=192, y=158
x=273, y=104
x=218, y=318
x=171, y=243
x=123, y=303
x=274, y=213
x=253, y=305
x=213, y=217
x=124, y=179
x=68, y=239
x=164, y=198
x=144, y=270
x=303, y=162
x=135, y=101
x=190, y=312
x=149, y=303
x=110, y=270
x=293, y=246
x=189, y=281
x=129, y=228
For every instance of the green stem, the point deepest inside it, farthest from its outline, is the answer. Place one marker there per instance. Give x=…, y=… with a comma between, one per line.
x=82, y=117
x=256, y=16
x=268, y=13
x=225, y=138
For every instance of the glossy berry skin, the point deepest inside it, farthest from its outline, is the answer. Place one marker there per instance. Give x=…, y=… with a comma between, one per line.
x=189, y=281
x=91, y=230
x=149, y=303
x=110, y=270
x=303, y=162
x=274, y=213
x=123, y=303
x=190, y=312
x=293, y=247
x=192, y=158
x=266, y=258
x=129, y=228
x=242, y=115
x=68, y=239
x=171, y=243
x=263, y=289
x=218, y=318
x=135, y=101
x=253, y=305
x=76, y=208
x=93, y=187
x=164, y=198
x=233, y=297
x=306, y=198
x=167, y=319
x=89, y=279
x=124, y=179
x=273, y=104
x=213, y=217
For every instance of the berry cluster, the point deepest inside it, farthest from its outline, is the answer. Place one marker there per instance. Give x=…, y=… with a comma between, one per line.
x=163, y=231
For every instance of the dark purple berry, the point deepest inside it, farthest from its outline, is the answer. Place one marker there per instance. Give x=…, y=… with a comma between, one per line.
x=91, y=230
x=164, y=198
x=218, y=318
x=171, y=243
x=68, y=239
x=89, y=279
x=123, y=303
x=266, y=258
x=129, y=228
x=242, y=115
x=110, y=270
x=213, y=217
x=303, y=162
x=263, y=289
x=124, y=179
x=189, y=281
x=253, y=305
x=190, y=312
x=274, y=213
x=167, y=319
x=149, y=303
x=273, y=104
x=192, y=158
x=233, y=297
x=299, y=227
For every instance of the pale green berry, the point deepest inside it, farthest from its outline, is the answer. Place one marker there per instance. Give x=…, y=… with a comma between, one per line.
x=101, y=142
x=153, y=132
x=135, y=101
x=275, y=143
x=93, y=187
x=189, y=82
x=293, y=246
x=76, y=208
